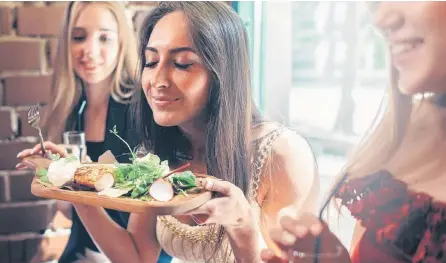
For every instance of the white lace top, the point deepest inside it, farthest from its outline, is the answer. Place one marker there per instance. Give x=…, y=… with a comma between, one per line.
x=196, y=244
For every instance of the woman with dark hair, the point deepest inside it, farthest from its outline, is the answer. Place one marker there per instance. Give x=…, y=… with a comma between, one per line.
x=394, y=182
x=195, y=106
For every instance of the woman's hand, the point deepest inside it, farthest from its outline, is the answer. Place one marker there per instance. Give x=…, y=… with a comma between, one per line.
x=52, y=148
x=231, y=210
x=49, y=146
x=297, y=238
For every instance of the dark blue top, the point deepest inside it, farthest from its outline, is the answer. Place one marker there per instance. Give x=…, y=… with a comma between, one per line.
x=80, y=239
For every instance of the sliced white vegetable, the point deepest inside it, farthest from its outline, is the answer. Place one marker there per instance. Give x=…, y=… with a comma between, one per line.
x=105, y=181
x=161, y=190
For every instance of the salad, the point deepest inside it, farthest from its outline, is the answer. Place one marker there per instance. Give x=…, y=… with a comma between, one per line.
x=145, y=178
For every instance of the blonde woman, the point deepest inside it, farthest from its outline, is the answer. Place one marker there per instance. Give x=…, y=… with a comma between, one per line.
x=394, y=184
x=95, y=63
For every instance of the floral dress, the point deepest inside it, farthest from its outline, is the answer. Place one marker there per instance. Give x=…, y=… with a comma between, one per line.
x=401, y=225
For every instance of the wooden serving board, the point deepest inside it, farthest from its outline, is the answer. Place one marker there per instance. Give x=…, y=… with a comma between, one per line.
x=179, y=204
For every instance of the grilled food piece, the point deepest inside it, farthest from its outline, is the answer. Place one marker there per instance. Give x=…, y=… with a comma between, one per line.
x=99, y=177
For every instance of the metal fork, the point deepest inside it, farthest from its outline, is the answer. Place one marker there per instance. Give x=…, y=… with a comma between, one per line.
x=34, y=121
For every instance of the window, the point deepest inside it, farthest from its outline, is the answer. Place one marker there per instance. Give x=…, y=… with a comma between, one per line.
x=319, y=67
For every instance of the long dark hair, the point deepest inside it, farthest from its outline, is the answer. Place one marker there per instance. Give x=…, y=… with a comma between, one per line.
x=221, y=40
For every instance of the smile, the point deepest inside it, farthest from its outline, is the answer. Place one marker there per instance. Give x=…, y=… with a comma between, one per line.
x=405, y=53
x=90, y=67
x=162, y=102
x=400, y=48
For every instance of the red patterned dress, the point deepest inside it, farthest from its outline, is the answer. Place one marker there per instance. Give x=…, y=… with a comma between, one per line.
x=401, y=225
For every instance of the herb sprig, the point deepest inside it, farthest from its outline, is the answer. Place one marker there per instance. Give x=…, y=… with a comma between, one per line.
x=142, y=172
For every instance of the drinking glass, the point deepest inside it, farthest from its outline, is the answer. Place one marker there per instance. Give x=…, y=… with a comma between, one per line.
x=74, y=142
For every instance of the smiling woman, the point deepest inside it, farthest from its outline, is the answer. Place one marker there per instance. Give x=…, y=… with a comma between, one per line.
x=95, y=63
x=194, y=105
x=172, y=61
x=98, y=43
x=95, y=44
x=393, y=184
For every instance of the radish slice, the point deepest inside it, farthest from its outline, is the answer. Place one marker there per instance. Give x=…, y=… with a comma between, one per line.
x=105, y=181
x=161, y=190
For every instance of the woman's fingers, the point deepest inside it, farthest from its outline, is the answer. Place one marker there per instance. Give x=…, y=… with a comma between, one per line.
x=297, y=234
x=223, y=187
x=304, y=225
x=283, y=238
x=296, y=237
x=208, y=212
x=25, y=164
x=20, y=166
x=268, y=256
x=49, y=146
x=54, y=148
x=25, y=153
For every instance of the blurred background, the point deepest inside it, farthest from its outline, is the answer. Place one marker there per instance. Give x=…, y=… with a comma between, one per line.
x=317, y=66
x=320, y=68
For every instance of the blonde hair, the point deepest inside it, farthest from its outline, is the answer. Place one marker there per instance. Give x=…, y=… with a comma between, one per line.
x=67, y=87
x=386, y=134
x=383, y=138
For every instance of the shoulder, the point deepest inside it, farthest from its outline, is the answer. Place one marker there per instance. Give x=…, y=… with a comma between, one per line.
x=287, y=145
x=290, y=174
x=292, y=155
x=290, y=145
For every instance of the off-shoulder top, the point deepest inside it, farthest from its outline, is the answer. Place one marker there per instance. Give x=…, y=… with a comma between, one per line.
x=401, y=225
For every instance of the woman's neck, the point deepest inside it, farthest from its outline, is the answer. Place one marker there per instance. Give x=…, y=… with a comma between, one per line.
x=196, y=134
x=424, y=140
x=98, y=94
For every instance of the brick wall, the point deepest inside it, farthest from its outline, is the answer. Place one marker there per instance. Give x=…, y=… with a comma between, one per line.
x=30, y=228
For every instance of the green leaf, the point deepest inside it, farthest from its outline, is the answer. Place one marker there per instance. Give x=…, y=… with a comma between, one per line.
x=141, y=172
x=55, y=157
x=42, y=172
x=71, y=158
x=43, y=175
x=184, y=180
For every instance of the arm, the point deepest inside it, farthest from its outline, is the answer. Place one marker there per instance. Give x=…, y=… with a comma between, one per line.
x=137, y=243
x=290, y=182
x=65, y=208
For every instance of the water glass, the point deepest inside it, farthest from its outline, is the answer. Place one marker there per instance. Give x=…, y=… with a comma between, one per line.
x=74, y=142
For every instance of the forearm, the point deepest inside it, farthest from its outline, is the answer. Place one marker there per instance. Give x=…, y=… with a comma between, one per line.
x=113, y=240
x=245, y=244
x=65, y=208
x=142, y=227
